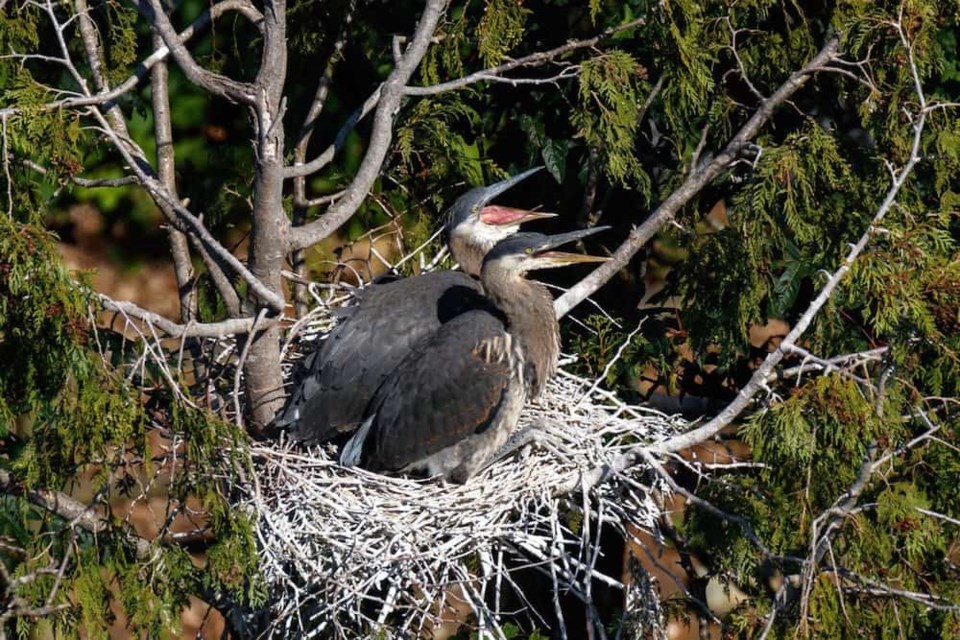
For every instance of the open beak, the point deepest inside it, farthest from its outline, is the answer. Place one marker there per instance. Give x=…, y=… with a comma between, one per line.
x=497, y=188
x=546, y=256
x=497, y=215
x=559, y=258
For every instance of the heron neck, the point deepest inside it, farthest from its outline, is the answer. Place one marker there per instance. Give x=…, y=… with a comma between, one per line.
x=531, y=320
x=467, y=255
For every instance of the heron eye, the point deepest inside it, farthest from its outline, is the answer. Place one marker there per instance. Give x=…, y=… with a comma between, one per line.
x=529, y=251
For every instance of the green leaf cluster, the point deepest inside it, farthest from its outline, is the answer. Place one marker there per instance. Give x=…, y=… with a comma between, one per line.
x=500, y=29
x=606, y=114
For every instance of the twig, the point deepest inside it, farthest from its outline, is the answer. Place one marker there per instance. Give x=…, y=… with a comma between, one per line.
x=758, y=379
x=391, y=93
x=222, y=329
x=534, y=59
x=697, y=180
x=214, y=83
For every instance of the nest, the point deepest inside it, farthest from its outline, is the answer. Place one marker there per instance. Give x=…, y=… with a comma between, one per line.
x=347, y=552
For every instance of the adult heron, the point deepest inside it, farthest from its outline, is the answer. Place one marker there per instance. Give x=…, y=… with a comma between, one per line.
x=390, y=319
x=449, y=408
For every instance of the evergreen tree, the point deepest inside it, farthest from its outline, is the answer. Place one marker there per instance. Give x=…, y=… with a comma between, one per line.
x=826, y=132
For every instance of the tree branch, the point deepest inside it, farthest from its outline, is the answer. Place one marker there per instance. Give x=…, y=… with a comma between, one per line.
x=231, y=327
x=240, y=6
x=166, y=172
x=667, y=210
x=326, y=157
x=214, y=83
x=758, y=379
x=185, y=221
x=380, y=137
x=76, y=512
x=532, y=60
x=765, y=370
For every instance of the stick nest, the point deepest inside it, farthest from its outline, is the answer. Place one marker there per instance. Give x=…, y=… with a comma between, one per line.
x=348, y=553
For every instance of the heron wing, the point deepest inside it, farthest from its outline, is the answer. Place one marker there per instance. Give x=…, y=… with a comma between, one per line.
x=389, y=320
x=448, y=388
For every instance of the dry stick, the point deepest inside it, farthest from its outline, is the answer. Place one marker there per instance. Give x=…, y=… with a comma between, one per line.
x=666, y=212
x=316, y=108
x=88, y=183
x=241, y=6
x=184, y=219
x=117, y=124
x=231, y=327
x=758, y=379
x=136, y=159
x=326, y=157
x=391, y=93
x=300, y=201
x=214, y=83
x=6, y=167
x=532, y=60
x=166, y=172
x=490, y=74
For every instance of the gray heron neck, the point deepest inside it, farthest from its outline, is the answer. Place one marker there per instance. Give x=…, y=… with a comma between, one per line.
x=469, y=256
x=531, y=320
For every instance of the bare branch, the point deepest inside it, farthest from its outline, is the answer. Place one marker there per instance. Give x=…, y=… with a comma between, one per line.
x=326, y=157
x=316, y=107
x=166, y=172
x=391, y=94
x=828, y=365
x=244, y=7
x=736, y=56
x=758, y=379
x=214, y=83
x=76, y=512
x=88, y=183
x=667, y=210
x=532, y=60
x=231, y=327
x=184, y=220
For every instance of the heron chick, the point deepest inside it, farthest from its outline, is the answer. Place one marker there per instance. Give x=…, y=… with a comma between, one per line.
x=454, y=401
x=390, y=319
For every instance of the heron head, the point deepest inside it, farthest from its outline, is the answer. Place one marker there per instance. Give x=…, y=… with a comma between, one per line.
x=474, y=225
x=525, y=252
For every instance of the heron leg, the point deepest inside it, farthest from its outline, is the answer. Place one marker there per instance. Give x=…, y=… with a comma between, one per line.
x=532, y=436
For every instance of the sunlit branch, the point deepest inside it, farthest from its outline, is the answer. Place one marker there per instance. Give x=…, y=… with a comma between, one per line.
x=697, y=180
x=391, y=93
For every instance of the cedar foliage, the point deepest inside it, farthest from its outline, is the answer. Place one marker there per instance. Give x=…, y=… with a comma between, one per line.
x=635, y=115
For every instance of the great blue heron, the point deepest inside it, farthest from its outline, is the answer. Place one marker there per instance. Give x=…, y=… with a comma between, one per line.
x=390, y=319
x=451, y=405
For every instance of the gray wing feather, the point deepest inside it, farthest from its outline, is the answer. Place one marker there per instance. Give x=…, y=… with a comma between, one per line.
x=358, y=355
x=443, y=392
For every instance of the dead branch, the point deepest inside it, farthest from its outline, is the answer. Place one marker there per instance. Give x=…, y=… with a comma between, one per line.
x=391, y=93
x=532, y=60
x=697, y=180
x=222, y=329
x=214, y=83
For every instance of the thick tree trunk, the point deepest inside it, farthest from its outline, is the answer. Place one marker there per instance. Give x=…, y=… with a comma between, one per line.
x=270, y=231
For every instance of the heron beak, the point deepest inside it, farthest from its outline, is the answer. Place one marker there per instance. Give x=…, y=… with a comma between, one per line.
x=500, y=216
x=561, y=258
x=496, y=189
x=547, y=258
x=560, y=239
